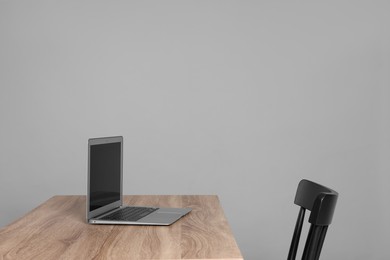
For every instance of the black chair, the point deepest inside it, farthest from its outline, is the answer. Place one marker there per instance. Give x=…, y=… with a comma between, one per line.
x=321, y=201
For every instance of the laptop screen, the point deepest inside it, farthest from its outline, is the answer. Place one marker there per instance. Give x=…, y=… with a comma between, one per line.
x=104, y=174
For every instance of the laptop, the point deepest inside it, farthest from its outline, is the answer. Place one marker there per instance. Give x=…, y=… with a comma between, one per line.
x=105, y=186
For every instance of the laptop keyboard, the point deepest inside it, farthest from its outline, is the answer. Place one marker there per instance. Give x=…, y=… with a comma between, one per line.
x=129, y=214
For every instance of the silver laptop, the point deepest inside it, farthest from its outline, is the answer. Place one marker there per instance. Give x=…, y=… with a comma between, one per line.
x=105, y=186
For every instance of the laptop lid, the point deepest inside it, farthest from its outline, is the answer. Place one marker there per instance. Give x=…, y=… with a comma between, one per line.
x=105, y=169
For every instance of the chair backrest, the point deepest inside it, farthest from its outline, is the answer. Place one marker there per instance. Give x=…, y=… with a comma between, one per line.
x=321, y=201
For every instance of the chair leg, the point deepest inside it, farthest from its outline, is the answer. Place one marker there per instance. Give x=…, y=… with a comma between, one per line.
x=310, y=251
x=297, y=234
x=308, y=243
x=321, y=241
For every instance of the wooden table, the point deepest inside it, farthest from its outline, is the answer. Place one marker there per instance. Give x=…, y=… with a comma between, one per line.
x=57, y=229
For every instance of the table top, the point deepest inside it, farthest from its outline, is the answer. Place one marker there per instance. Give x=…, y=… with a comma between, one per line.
x=57, y=229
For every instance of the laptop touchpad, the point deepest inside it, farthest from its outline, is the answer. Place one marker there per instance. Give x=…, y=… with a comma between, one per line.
x=164, y=218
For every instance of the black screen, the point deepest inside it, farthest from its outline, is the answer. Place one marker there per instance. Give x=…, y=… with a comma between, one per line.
x=105, y=174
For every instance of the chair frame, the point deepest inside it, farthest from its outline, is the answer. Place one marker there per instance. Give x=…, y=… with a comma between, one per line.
x=321, y=201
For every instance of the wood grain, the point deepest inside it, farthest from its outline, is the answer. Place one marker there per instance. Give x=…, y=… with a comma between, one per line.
x=57, y=229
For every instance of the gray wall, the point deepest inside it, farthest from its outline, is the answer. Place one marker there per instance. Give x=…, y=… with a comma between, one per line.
x=236, y=98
